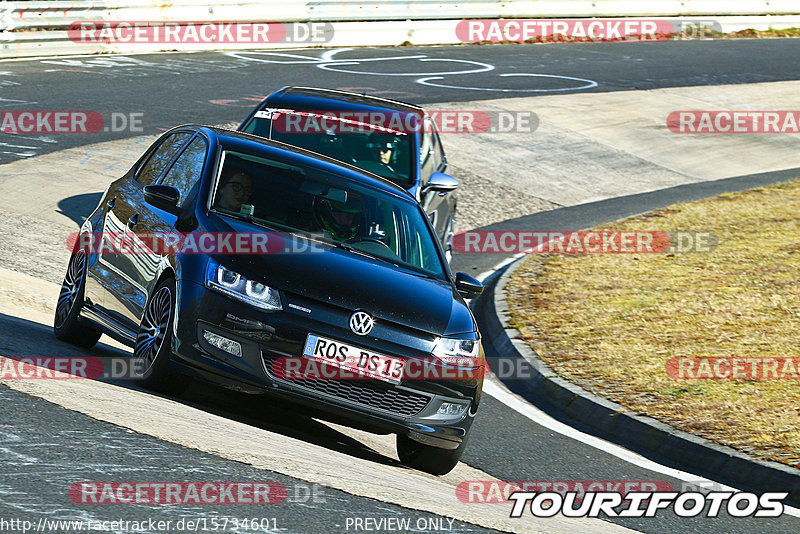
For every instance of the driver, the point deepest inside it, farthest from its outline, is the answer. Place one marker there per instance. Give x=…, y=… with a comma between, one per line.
x=382, y=147
x=341, y=220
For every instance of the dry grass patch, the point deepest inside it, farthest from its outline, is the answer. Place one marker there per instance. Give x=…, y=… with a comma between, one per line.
x=610, y=322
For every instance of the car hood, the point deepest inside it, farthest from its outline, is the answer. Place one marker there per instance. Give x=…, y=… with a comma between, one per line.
x=340, y=278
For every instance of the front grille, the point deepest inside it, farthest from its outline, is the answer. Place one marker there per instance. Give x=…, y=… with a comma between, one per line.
x=360, y=391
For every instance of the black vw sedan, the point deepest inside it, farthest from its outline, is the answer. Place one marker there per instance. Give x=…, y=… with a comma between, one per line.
x=237, y=260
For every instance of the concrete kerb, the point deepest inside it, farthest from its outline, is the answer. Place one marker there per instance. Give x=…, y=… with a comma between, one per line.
x=609, y=420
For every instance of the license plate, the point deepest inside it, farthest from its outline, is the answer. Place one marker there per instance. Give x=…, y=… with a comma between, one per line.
x=356, y=359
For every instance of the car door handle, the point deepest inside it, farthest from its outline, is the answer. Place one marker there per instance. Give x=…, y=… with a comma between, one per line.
x=442, y=193
x=132, y=221
x=111, y=202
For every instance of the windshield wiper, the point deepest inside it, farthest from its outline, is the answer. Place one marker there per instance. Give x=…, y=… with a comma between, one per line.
x=350, y=248
x=249, y=218
x=405, y=269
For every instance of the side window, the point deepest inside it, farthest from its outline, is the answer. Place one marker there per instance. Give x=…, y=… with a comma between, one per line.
x=185, y=172
x=438, y=152
x=160, y=157
x=426, y=152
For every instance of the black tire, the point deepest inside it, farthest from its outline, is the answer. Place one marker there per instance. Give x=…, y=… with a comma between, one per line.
x=66, y=326
x=153, y=346
x=427, y=458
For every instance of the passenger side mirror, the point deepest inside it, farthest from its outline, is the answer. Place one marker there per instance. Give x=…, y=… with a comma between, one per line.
x=440, y=181
x=163, y=197
x=467, y=286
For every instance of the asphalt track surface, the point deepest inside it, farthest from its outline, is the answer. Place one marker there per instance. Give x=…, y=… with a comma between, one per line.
x=216, y=88
x=63, y=448
x=46, y=447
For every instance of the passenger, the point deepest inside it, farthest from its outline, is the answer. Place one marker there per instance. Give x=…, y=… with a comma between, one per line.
x=235, y=188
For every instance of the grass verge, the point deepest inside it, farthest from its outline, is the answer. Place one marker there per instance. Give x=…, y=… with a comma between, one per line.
x=610, y=322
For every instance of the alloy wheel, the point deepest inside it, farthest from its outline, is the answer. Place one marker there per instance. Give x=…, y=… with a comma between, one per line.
x=70, y=288
x=153, y=329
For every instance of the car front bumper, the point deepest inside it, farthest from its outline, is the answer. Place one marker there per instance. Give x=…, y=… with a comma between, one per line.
x=410, y=408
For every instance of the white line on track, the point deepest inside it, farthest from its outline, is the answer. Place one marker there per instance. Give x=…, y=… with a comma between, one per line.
x=481, y=67
x=329, y=61
x=588, y=84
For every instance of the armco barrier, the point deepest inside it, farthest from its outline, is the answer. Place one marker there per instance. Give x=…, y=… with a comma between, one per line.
x=330, y=10
x=40, y=28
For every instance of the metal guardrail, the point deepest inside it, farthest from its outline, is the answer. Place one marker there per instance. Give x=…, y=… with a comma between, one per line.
x=57, y=14
x=331, y=10
x=40, y=27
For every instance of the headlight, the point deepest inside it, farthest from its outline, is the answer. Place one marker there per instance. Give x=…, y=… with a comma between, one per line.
x=237, y=286
x=458, y=352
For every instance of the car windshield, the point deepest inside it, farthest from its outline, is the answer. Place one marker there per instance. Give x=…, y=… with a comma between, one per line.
x=383, y=151
x=326, y=207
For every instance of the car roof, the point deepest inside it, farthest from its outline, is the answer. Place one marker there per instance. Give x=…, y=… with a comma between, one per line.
x=253, y=144
x=310, y=98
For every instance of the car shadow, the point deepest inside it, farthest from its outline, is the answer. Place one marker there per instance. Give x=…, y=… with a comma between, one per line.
x=260, y=411
x=78, y=207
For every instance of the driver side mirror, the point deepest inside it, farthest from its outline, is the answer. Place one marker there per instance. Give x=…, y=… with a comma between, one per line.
x=440, y=181
x=467, y=286
x=163, y=197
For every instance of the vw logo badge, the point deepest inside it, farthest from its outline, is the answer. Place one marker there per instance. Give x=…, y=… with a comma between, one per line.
x=361, y=323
